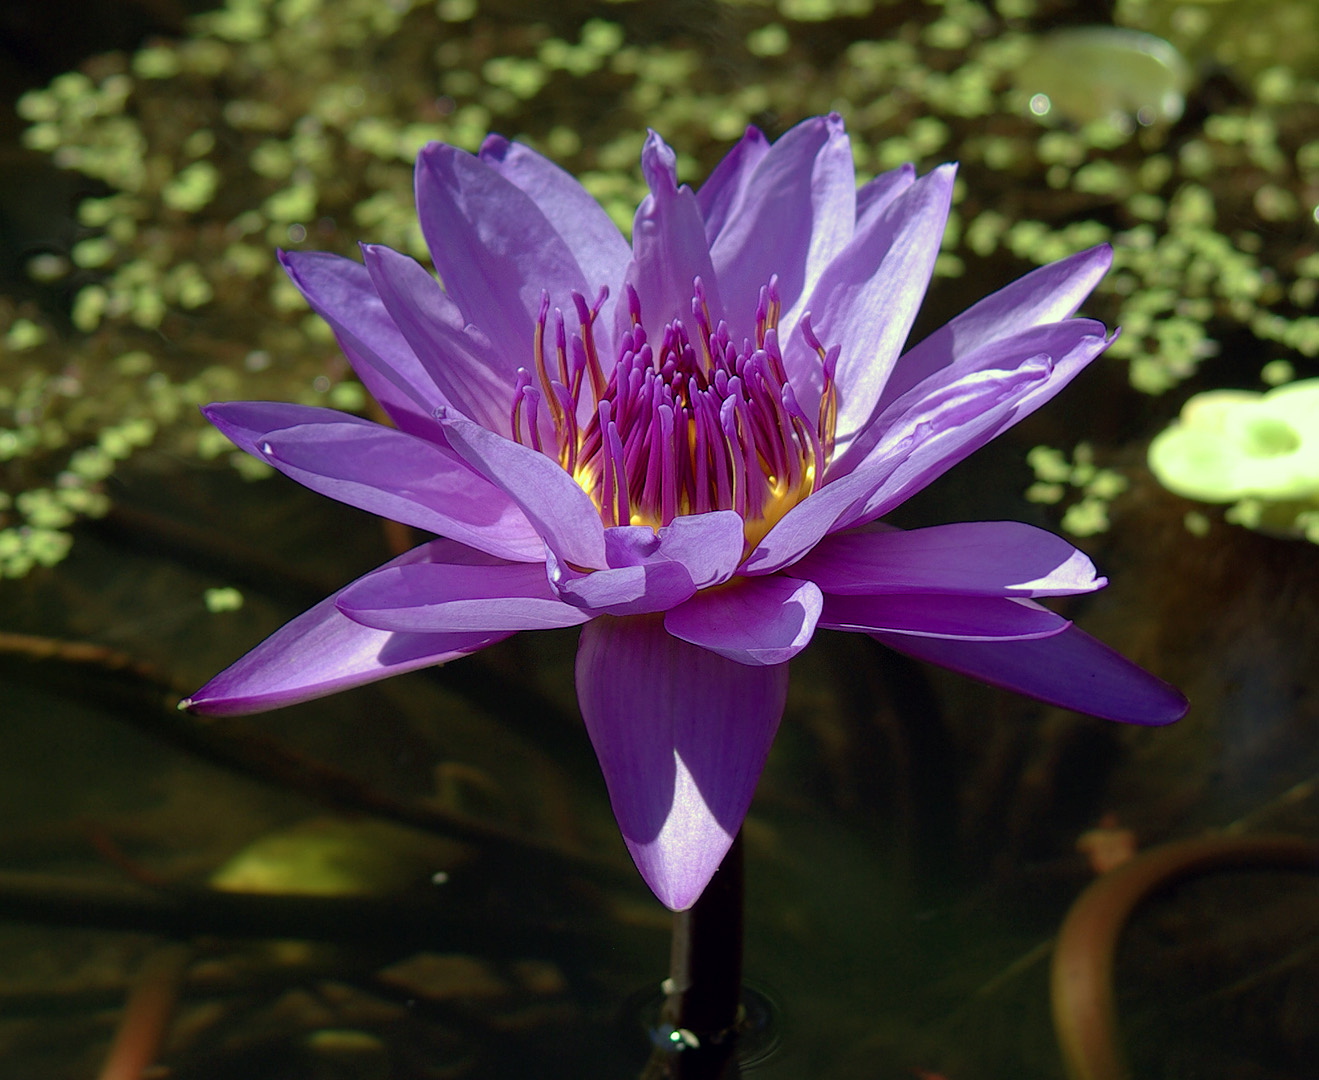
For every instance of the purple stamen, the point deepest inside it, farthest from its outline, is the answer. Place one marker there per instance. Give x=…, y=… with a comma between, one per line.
x=692, y=425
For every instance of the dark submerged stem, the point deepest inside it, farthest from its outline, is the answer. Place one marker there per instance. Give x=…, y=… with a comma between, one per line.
x=703, y=1006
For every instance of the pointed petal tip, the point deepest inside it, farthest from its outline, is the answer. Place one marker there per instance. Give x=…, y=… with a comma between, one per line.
x=677, y=877
x=1162, y=709
x=493, y=146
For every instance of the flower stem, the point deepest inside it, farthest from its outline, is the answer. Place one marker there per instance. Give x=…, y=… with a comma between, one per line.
x=703, y=1006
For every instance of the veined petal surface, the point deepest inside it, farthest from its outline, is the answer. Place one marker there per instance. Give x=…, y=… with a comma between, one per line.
x=600, y=249
x=1047, y=294
x=932, y=437
x=942, y=615
x=885, y=269
x=682, y=736
x=1070, y=669
x=447, y=598
x=493, y=247
x=796, y=216
x=459, y=360
x=766, y=620
x=341, y=292
x=381, y=470
x=729, y=182
x=653, y=570
x=561, y=512
x=974, y=558
x=323, y=651
x=669, y=248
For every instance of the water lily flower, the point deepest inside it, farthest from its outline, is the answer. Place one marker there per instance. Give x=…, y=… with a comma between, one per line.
x=683, y=445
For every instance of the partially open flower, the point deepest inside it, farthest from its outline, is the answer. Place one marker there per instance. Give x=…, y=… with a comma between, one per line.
x=683, y=445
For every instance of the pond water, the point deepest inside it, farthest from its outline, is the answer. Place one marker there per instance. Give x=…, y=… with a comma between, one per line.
x=422, y=877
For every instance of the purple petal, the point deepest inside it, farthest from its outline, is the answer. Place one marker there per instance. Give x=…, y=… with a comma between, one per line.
x=867, y=299
x=966, y=618
x=764, y=620
x=874, y=196
x=728, y=184
x=990, y=391
x=933, y=436
x=340, y=291
x=708, y=545
x=623, y=590
x=1049, y=294
x=323, y=651
x=600, y=249
x=1070, y=669
x=682, y=736
x=493, y=247
x=561, y=512
x=651, y=570
x=433, y=598
x=986, y=558
x=797, y=217
x=461, y=363
x=381, y=470
x=668, y=245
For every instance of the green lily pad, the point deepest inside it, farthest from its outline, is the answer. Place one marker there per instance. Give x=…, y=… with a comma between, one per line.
x=1104, y=73
x=328, y=857
x=1236, y=444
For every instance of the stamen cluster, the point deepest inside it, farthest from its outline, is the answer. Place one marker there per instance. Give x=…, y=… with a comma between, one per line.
x=690, y=424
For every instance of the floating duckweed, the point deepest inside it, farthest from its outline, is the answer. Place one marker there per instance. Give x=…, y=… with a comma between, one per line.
x=250, y=468
x=821, y=10
x=1097, y=487
x=1088, y=517
x=524, y=78
x=294, y=203
x=24, y=334
x=1050, y=464
x=222, y=599
x=88, y=307
x=22, y=549
x=1277, y=372
x=272, y=158
x=192, y=188
x=155, y=62
x=38, y=107
x=91, y=464
x=1102, y=177
x=44, y=138
x=348, y=396
x=1192, y=205
x=1045, y=493
x=92, y=253
x=455, y=10
x=286, y=297
x=248, y=115
x=42, y=510
x=769, y=40
x=1275, y=203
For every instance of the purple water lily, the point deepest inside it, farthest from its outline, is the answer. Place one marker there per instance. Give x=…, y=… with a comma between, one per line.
x=683, y=445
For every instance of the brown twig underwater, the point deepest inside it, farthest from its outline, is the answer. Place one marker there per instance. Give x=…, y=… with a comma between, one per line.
x=238, y=746
x=1081, y=991
x=399, y=922
x=146, y=1016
